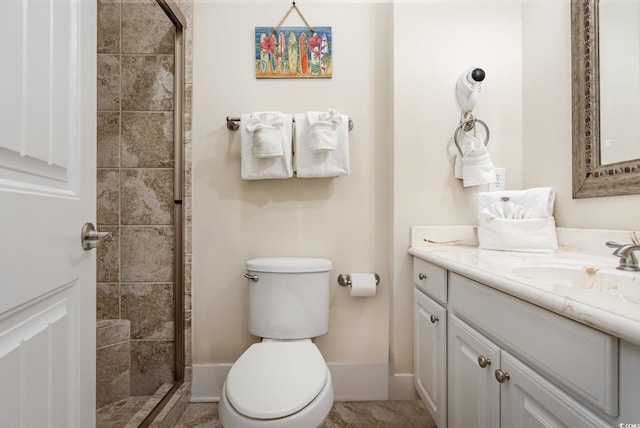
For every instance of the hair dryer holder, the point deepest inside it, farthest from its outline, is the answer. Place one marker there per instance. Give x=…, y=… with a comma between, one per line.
x=468, y=88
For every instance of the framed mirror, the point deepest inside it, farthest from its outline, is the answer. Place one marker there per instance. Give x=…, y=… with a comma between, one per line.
x=603, y=99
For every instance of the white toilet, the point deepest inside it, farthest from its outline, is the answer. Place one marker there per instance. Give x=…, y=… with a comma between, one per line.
x=282, y=381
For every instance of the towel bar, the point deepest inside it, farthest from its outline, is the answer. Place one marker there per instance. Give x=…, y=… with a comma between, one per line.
x=466, y=126
x=232, y=123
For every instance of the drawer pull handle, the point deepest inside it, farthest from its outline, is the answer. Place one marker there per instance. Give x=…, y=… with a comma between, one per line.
x=501, y=376
x=484, y=362
x=434, y=319
x=422, y=276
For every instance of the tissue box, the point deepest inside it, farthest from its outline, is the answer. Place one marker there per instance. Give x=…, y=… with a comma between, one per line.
x=528, y=235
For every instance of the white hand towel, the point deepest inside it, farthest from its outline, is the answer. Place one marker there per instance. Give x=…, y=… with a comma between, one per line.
x=467, y=145
x=253, y=167
x=474, y=165
x=322, y=163
x=324, y=129
x=267, y=138
x=477, y=170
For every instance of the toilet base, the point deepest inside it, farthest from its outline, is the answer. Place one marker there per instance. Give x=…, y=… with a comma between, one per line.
x=310, y=416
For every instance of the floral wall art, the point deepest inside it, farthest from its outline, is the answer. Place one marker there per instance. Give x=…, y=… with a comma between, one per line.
x=293, y=52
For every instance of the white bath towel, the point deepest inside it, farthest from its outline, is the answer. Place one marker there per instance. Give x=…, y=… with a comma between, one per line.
x=320, y=163
x=517, y=220
x=253, y=167
x=267, y=135
x=474, y=165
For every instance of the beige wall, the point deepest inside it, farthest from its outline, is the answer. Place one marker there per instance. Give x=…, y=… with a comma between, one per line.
x=345, y=219
x=433, y=44
x=396, y=79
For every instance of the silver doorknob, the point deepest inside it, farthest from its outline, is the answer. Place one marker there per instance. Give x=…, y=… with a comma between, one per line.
x=422, y=276
x=434, y=319
x=91, y=238
x=501, y=376
x=483, y=361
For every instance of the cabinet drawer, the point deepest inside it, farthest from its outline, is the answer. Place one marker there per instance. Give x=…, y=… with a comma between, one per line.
x=430, y=278
x=582, y=359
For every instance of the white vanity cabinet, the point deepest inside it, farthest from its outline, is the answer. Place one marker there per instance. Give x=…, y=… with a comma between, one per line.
x=430, y=340
x=529, y=400
x=484, y=358
x=474, y=393
x=488, y=387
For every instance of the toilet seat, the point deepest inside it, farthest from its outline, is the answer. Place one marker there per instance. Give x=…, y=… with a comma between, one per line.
x=276, y=379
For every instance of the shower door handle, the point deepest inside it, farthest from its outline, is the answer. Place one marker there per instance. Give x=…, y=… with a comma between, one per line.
x=91, y=238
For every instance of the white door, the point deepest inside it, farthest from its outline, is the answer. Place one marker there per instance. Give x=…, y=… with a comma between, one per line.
x=47, y=193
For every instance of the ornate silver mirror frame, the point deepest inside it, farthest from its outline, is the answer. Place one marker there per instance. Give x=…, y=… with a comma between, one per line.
x=590, y=179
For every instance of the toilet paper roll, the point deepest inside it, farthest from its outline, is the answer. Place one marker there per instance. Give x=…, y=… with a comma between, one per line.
x=363, y=284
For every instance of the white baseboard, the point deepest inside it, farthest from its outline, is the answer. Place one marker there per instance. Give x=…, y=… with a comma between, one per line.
x=351, y=381
x=207, y=382
x=401, y=387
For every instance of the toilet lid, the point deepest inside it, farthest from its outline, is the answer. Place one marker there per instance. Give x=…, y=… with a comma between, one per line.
x=276, y=379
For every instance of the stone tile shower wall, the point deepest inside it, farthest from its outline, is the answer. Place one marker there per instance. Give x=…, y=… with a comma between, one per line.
x=135, y=183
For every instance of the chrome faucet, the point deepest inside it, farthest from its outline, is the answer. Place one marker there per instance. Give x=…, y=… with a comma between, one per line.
x=628, y=260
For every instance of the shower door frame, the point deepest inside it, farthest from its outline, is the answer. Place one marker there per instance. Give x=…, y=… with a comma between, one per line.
x=178, y=19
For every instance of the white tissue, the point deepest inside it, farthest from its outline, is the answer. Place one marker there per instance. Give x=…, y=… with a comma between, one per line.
x=363, y=285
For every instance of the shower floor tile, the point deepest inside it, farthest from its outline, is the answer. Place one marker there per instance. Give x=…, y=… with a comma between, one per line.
x=129, y=412
x=118, y=414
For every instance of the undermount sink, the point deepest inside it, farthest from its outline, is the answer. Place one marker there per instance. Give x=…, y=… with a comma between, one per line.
x=626, y=285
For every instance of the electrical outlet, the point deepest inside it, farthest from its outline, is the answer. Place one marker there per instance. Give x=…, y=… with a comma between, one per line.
x=501, y=180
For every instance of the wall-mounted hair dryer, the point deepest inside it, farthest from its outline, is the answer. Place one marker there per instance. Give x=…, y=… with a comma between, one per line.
x=468, y=88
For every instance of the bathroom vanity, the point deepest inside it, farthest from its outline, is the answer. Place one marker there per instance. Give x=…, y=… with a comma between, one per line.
x=505, y=339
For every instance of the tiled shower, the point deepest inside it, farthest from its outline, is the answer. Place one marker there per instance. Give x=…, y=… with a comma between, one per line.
x=136, y=269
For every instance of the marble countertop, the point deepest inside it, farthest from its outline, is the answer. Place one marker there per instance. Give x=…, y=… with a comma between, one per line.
x=605, y=311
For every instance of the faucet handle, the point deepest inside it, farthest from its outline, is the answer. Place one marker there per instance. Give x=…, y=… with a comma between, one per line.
x=612, y=244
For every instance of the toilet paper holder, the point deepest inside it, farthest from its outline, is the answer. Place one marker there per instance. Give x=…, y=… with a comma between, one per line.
x=344, y=279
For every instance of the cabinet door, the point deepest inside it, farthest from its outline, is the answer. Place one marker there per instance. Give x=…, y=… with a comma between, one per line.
x=430, y=355
x=529, y=401
x=474, y=393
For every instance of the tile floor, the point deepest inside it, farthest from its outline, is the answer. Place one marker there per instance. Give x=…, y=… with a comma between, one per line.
x=345, y=414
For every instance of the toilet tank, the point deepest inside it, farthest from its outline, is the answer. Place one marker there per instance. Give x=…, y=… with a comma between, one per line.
x=290, y=299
